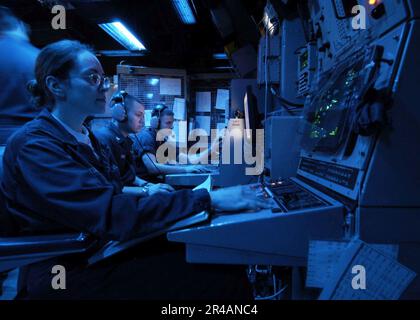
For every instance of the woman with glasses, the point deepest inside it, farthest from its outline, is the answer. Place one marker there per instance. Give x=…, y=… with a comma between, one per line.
x=57, y=179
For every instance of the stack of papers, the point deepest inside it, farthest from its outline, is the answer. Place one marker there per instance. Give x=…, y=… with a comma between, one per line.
x=356, y=271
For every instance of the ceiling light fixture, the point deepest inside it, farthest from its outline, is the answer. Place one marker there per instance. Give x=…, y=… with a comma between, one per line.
x=119, y=32
x=184, y=11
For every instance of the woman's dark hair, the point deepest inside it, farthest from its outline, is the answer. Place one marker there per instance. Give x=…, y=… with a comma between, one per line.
x=56, y=59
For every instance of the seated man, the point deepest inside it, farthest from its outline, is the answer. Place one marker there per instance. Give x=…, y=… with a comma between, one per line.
x=127, y=118
x=147, y=143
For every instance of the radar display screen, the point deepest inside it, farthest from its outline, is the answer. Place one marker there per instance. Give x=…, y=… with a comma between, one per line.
x=327, y=115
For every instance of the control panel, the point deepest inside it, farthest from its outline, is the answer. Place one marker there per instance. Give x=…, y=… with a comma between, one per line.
x=288, y=196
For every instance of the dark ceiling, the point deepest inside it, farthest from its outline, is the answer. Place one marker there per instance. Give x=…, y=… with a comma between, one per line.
x=169, y=42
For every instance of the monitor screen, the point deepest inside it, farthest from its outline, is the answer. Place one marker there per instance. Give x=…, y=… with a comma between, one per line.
x=328, y=114
x=247, y=123
x=252, y=116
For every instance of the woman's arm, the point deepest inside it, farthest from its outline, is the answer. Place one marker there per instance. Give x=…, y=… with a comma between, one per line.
x=57, y=187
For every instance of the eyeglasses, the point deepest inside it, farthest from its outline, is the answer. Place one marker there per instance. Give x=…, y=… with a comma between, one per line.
x=97, y=80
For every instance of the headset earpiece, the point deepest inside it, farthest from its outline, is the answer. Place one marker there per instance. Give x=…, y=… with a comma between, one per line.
x=155, y=119
x=119, y=110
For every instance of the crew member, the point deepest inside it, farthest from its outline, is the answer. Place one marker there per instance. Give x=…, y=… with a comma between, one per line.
x=127, y=118
x=58, y=179
x=147, y=143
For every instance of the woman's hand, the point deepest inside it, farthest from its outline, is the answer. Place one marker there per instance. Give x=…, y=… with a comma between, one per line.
x=160, y=187
x=238, y=198
x=149, y=189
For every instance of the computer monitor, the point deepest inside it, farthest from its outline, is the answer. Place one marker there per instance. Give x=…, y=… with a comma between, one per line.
x=252, y=116
x=328, y=114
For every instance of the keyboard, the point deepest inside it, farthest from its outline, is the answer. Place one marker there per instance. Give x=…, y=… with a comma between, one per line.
x=291, y=196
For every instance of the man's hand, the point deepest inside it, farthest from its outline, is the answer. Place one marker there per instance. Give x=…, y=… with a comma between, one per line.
x=238, y=198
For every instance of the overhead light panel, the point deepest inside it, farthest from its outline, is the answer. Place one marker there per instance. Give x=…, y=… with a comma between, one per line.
x=223, y=68
x=184, y=10
x=120, y=53
x=153, y=81
x=220, y=56
x=119, y=32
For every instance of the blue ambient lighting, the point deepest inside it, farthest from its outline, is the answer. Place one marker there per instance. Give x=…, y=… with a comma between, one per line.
x=184, y=11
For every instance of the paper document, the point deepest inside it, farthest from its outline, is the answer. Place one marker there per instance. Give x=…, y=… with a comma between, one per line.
x=365, y=273
x=170, y=86
x=207, y=184
x=324, y=256
x=179, y=109
x=203, y=102
x=147, y=117
x=222, y=99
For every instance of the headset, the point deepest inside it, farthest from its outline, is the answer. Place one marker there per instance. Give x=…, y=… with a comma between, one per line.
x=119, y=113
x=155, y=119
x=119, y=109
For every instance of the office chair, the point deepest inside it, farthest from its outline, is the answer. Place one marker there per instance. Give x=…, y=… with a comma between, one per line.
x=16, y=252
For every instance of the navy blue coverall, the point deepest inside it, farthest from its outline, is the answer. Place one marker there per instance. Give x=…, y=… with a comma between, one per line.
x=144, y=142
x=54, y=184
x=121, y=151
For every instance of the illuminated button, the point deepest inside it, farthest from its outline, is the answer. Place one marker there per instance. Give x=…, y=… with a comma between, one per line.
x=378, y=12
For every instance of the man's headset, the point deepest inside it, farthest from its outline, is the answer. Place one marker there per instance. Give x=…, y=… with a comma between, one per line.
x=118, y=107
x=156, y=113
x=119, y=113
